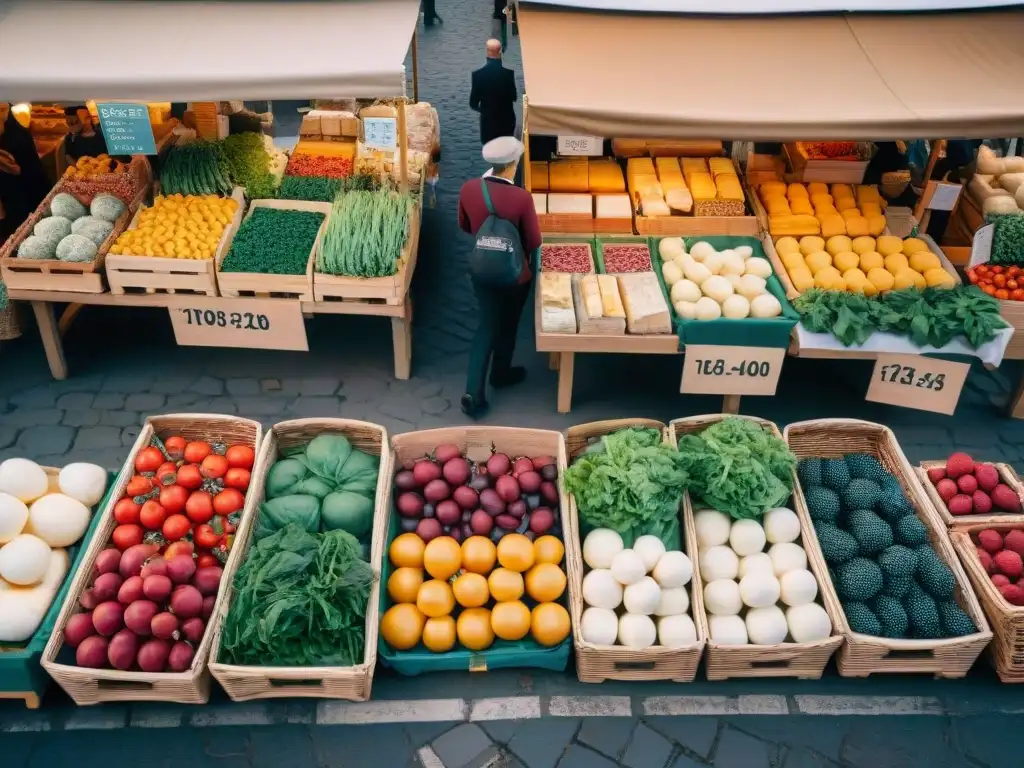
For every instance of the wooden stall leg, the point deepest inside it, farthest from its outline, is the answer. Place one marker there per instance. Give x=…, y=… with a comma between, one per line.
x=50, y=334
x=731, y=404
x=1016, y=409
x=565, y=370
x=552, y=361
x=401, y=335
x=68, y=317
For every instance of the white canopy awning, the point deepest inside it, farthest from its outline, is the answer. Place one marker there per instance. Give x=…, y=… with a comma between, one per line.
x=184, y=50
x=768, y=7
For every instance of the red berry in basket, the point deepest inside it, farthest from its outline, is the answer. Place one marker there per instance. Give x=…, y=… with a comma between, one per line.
x=987, y=477
x=959, y=464
x=999, y=580
x=967, y=484
x=986, y=560
x=1009, y=564
x=1013, y=594
x=991, y=541
x=946, y=489
x=1014, y=541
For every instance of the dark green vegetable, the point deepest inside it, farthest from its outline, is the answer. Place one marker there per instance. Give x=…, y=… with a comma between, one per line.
x=296, y=509
x=195, y=168
x=347, y=511
x=249, y=164
x=365, y=234
x=272, y=241
x=300, y=600
x=316, y=188
x=1008, y=239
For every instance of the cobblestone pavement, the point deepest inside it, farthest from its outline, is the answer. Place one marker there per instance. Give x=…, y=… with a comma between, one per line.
x=125, y=365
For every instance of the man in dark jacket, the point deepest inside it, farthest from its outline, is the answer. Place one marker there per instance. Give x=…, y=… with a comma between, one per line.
x=23, y=182
x=493, y=95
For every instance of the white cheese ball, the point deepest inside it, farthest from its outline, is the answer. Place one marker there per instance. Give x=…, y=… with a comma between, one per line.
x=601, y=546
x=787, y=557
x=672, y=272
x=746, y=537
x=759, y=590
x=637, y=631
x=24, y=560
x=642, y=597
x=627, y=567
x=781, y=525
x=685, y=290
x=758, y=267
x=599, y=626
x=727, y=630
x=798, y=587
x=701, y=250
x=650, y=548
x=674, y=569
x=745, y=251
x=722, y=597
x=58, y=520
x=671, y=247
x=13, y=516
x=719, y=563
x=712, y=528
x=23, y=479
x=687, y=310
x=759, y=562
x=767, y=625
x=676, y=631
x=673, y=600
x=808, y=623
x=601, y=590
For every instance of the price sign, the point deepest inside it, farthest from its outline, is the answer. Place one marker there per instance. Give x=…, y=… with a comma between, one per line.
x=709, y=369
x=940, y=196
x=242, y=323
x=126, y=128
x=587, y=146
x=914, y=381
x=380, y=133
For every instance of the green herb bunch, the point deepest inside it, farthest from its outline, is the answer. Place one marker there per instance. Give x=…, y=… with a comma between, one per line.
x=249, y=164
x=196, y=168
x=272, y=241
x=365, y=234
x=1008, y=239
x=321, y=189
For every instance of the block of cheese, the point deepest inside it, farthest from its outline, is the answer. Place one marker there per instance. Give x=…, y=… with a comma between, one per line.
x=644, y=303
x=540, y=203
x=557, y=312
x=667, y=166
x=640, y=165
x=538, y=176
x=568, y=176
x=580, y=204
x=629, y=147
x=611, y=302
x=591, y=294
x=679, y=200
x=646, y=185
x=606, y=176
x=729, y=188
x=721, y=166
x=702, y=187
x=612, y=207
x=693, y=164
x=654, y=206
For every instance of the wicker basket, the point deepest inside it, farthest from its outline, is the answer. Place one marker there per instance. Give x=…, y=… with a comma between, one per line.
x=93, y=686
x=1007, y=648
x=244, y=683
x=806, y=661
x=864, y=655
x=1007, y=475
x=597, y=663
x=10, y=328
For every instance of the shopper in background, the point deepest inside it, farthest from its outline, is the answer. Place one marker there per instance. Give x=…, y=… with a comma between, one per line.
x=430, y=13
x=499, y=23
x=493, y=94
x=23, y=182
x=499, y=307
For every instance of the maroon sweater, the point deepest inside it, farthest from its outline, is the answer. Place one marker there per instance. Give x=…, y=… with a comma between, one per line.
x=512, y=203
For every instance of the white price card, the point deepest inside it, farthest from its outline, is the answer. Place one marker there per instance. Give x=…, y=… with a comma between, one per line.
x=380, y=133
x=587, y=146
x=242, y=323
x=709, y=369
x=943, y=196
x=916, y=381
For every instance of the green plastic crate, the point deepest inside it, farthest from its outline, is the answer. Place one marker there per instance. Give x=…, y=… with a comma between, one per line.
x=20, y=670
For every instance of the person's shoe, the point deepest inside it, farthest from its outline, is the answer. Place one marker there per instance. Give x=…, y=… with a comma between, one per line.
x=514, y=375
x=472, y=407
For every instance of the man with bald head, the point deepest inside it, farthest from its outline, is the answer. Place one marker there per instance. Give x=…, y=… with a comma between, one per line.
x=493, y=95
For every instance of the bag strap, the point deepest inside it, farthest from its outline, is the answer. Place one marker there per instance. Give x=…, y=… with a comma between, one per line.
x=487, y=197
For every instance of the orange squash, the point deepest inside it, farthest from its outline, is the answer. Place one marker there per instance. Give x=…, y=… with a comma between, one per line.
x=505, y=585
x=404, y=584
x=435, y=598
x=515, y=552
x=474, y=629
x=549, y=624
x=511, y=620
x=406, y=551
x=402, y=626
x=471, y=590
x=442, y=557
x=545, y=582
x=439, y=634
x=548, y=549
x=478, y=555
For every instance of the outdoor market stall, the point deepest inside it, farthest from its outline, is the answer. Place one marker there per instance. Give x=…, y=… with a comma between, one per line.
x=864, y=90
x=213, y=291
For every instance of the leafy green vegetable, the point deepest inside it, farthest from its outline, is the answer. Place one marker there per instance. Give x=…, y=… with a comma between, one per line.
x=249, y=164
x=347, y=511
x=365, y=234
x=195, y=168
x=300, y=600
x=317, y=188
x=630, y=482
x=272, y=241
x=738, y=467
x=1008, y=239
x=296, y=509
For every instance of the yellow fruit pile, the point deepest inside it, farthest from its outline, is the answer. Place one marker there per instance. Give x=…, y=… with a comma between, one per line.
x=863, y=265
x=814, y=209
x=178, y=226
x=91, y=167
x=431, y=581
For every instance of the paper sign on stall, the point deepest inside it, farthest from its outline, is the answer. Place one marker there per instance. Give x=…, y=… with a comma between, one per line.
x=242, y=323
x=126, y=128
x=587, y=146
x=915, y=381
x=943, y=196
x=709, y=369
x=380, y=133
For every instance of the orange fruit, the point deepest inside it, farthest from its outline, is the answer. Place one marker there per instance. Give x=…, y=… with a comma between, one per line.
x=548, y=549
x=505, y=585
x=549, y=624
x=406, y=551
x=402, y=626
x=545, y=582
x=511, y=620
x=478, y=554
x=435, y=598
x=515, y=552
x=439, y=634
x=404, y=584
x=442, y=557
x=474, y=629
x=471, y=590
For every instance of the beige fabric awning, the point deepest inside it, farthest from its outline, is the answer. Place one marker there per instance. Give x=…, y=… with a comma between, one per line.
x=774, y=79
x=183, y=50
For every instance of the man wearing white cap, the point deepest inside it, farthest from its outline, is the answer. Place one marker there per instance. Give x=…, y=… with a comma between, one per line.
x=502, y=217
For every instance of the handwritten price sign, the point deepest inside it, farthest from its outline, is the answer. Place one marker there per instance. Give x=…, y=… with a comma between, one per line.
x=126, y=128
x=587, y=146
x=717, y=370
x=242, y=323
x=914, y=381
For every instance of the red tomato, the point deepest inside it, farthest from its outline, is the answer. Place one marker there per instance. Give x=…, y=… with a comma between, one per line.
x=176, y=527
x=138, y=486
x=1017, y=295
x=126, y=511
x=173, y=498
x=1011, y=284
x=227, y=501
x=983, y=269
x=125, y=536
x=199, y=507
x=166, y=474
x=205, y=537
x=1002, y=293
x=148, y=460
x=214, y=466
x=240, y=456
x=190, y=477
x=179, y=548
x=999, y=281
x=237, y=478
x=973, y=277
x=196, y=452
x=175, y=446
x=1013, y=271
x=207, y=560
x=996, y=270
x=152, y=515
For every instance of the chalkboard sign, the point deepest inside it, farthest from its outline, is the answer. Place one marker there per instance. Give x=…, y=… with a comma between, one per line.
x=126, y=128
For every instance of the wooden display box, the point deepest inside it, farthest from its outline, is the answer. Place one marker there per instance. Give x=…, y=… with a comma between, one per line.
x=1007, y=476
x=827, y=171
x=687, y=225
x=1011, y=311
x=163, y=274
x=273, y=286
x=566, y=223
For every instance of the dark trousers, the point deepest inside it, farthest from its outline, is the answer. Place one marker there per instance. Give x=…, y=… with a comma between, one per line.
x=498, y=312
x=429, y=11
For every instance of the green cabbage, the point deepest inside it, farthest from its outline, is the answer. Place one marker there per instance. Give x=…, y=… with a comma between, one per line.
x=300, y=509
x=347, y=511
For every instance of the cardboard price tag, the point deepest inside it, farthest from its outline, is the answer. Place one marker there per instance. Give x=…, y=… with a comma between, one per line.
x=587, y=146
x=243, y=323
x=709, y=369
x=915, y=381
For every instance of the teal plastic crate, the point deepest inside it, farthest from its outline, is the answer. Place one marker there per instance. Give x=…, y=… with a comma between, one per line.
x=20, y=670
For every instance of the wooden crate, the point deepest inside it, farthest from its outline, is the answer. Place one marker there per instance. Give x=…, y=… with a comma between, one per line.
x=294, y=287
x=806, y=661
x=245, y=683
x=161, y=274
x=827, y=171
x=389, y=290
x=1011, y=311
x=597, y=663
x=686, y=226
x=94, y=686
x=1007, y=475
x=864, y=655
